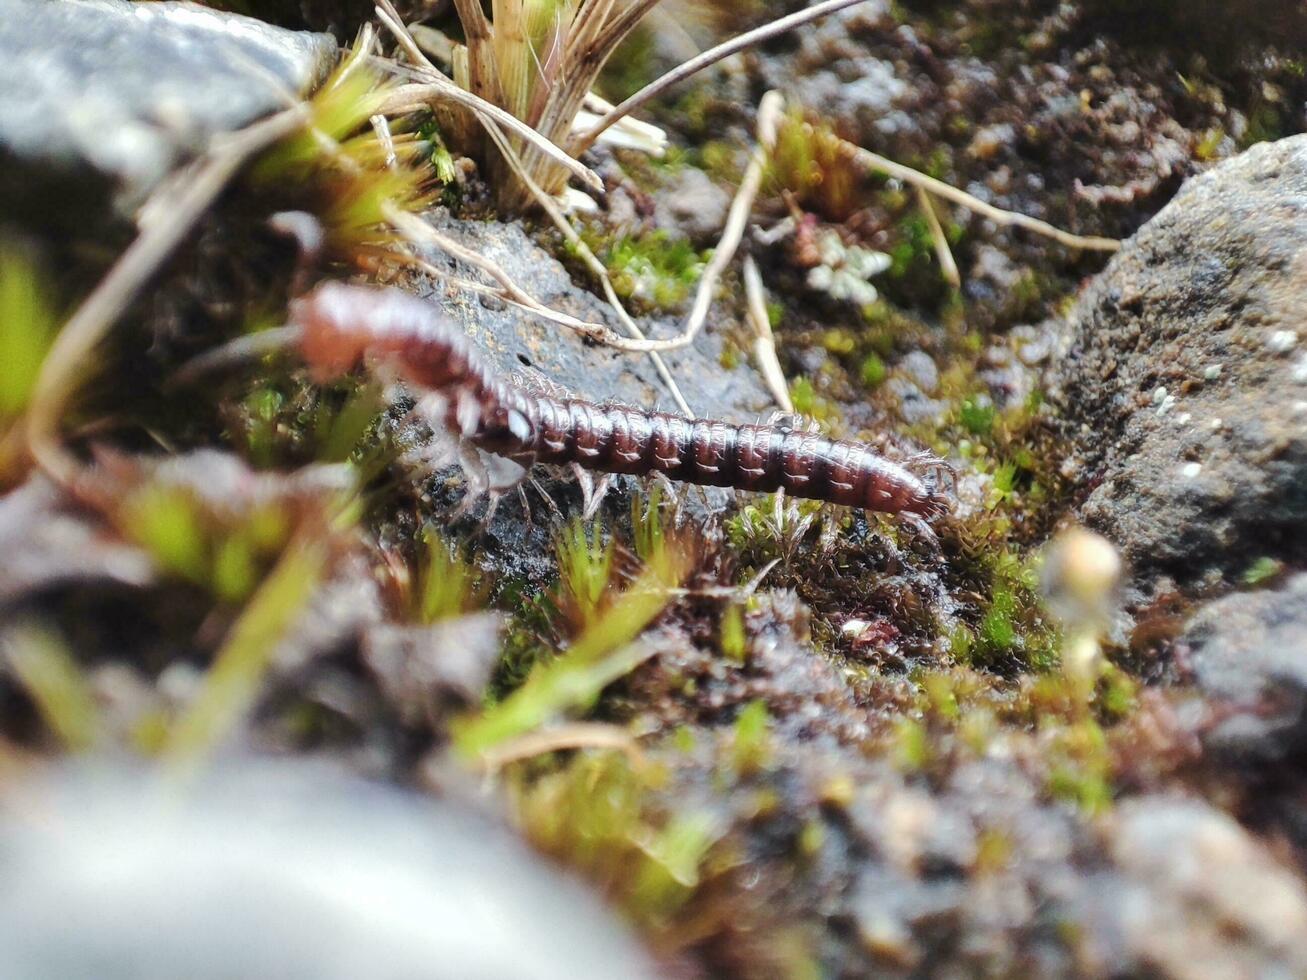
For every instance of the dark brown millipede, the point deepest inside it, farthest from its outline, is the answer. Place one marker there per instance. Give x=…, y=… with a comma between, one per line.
x=340, y=324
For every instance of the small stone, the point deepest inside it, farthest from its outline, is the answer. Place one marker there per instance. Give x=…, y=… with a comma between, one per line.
x=1300, y=371
x=1190, y=471
x=1212, y=371
x=1159, y=395
x=1282, y=341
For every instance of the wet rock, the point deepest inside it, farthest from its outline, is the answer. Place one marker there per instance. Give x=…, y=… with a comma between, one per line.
x=1249, y=653
x=101, y=99
x=287, y=870
x=1179, y=383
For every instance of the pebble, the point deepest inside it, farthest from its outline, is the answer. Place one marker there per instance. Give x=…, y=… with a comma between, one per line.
x=1282, y=341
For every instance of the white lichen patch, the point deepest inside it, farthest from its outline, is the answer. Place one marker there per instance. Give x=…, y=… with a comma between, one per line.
x=845, y=269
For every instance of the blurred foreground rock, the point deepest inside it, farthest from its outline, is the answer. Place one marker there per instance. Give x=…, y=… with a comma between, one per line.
x=101, y=99
x=289, y=871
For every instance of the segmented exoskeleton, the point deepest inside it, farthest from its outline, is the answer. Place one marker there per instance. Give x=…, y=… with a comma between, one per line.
x=339, y=324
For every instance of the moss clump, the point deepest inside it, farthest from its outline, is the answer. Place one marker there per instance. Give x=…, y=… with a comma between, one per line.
x=653, y=268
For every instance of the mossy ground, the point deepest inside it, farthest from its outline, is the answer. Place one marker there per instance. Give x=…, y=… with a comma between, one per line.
x=750, y=713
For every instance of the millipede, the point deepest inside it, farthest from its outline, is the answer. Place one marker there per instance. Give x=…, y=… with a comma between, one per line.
x=339, y=325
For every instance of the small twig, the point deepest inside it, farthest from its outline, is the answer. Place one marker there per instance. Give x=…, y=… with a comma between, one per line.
x=507, y=290
x=710, y=57
x=575, y=735
x=177, y=206
x=769, y=112
x=764, y=344
x=942, y=252
x=874, y=161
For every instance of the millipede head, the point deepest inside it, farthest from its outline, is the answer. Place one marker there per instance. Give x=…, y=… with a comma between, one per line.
x=329, y=317
x=939, y=481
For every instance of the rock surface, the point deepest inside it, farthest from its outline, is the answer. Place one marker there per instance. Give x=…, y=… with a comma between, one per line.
x=103, y=98
x=520, y=342
x=1185, y=382
x=1249, y=652
x=1197, y=897
x=286, y=870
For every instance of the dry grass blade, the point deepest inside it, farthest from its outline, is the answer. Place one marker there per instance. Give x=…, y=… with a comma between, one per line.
x=769, y=113
x=569, y=736
x=710, y=57
x=764, y=344
x=940, y=240
x=640, y=344
x=1009, y=219
x=435, y=86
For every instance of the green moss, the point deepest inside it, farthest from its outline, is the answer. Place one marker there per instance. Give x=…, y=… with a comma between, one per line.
x=652, y=268
x=600, y=655
x=27, y=328
x=977, y=416
x=1080, y=767
x=446, y=585
x=598, y=813
x=872, y=371
x=585, y=563
x=1263, y=570
x=752, y=748
x=806, y=401
x=912, y=749
x=232, y=684
x=733, y=638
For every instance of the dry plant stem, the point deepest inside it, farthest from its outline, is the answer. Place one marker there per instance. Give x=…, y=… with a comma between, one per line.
x=764, y=345
x=386, y=12
x=437, y=88
x=382, y=128
x=515, y=296
x=638, y=345
x=769, y=112
x=940, y=240
x=176, y=207
x=710, y=57
x=577, y=735
x=1009, y=219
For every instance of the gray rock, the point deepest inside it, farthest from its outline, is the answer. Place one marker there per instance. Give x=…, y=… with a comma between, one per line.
x=1181, y=380
x=523, y=343
x=286, y=870
x=101, y=99
x=1250, y=651
x=47, y=543
x=692, y=205
x=1196, y=898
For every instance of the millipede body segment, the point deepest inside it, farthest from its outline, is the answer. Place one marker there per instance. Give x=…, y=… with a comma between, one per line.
x=341, y=324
